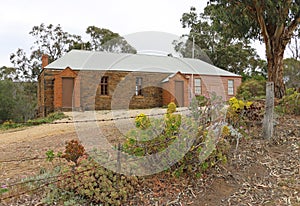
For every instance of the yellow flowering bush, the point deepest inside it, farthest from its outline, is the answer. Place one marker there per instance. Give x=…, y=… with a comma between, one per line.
x=239, y=105
x=236, y=109
x=171, y=108
x=142, y=121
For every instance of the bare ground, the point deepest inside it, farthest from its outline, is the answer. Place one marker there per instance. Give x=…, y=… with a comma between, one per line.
x=260, y=172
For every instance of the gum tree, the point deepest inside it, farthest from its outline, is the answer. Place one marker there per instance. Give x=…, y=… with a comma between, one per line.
x=105, y=40
x=50, y=40
x=212, y=46
x=272, y=21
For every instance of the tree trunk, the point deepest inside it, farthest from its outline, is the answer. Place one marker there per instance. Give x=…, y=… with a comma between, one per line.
x=275, y=71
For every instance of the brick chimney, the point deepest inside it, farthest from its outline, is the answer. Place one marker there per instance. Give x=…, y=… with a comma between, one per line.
x=45, y=60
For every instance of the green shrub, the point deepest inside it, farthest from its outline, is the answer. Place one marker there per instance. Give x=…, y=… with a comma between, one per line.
x=50, y=118
x=252, y=89
x=97, y=184
x=172, y=124
x=171, y=108
x=175, y=132
x=202, y=100
x=142, y=121
x=86, y=182
x=9, y=124
x=290, y=103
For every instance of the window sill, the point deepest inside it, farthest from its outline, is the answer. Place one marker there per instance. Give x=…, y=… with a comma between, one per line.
x=105, y=96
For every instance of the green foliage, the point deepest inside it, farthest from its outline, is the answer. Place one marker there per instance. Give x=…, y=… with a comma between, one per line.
x=202, y=100
x=171, y=108
x=7, y=73
x=50, y=40
x=291, y=73
x=86, y=181
x=55, y=42
x=214, y=47
x=155, y=139
x=97, y=184
x=50, y=118
x=50, y=155
x=290, y=104
x=9, y=124
x=106, y=40
x=172, y=133
x=17, y=100
x=3, y=189
x=142, y=121
x=172, y=124
x=266, y=21
x=244, y=22
x=252, y=89
x=240, y=113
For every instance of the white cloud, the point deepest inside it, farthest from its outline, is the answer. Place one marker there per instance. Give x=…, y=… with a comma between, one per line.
x=125, y=17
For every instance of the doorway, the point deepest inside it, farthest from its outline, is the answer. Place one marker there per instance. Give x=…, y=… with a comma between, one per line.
x=67, y=92
x=179, y=93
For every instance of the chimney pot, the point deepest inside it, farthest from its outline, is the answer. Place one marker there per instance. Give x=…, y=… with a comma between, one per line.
x=45, y=60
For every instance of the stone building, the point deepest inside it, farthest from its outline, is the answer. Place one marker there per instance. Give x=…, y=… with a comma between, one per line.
x=89, y=80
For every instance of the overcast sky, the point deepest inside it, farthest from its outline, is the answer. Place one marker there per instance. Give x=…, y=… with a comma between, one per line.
x=126, y=17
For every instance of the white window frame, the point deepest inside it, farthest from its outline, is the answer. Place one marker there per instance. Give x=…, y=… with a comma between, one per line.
x=138, y=86
x=230, y=87
x=197, y=87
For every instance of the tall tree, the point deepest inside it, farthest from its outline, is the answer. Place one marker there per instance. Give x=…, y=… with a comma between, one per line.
x=17, y=100
x=50, y=40
x=272, y=21
x=214, y=47
x=106, y=40
x=8, y=73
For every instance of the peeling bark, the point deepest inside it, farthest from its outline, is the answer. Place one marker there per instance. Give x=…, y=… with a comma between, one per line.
x=275, y=74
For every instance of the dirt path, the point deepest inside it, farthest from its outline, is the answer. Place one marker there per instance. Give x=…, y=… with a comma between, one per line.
x=34, y=142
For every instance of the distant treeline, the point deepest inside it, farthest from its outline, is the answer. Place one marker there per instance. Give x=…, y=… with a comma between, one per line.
x=18, y=100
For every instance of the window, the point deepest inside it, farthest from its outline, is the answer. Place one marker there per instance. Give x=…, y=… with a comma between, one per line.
x=230, y=87
x=104, y=85
x=197, y=86
x=138, y=86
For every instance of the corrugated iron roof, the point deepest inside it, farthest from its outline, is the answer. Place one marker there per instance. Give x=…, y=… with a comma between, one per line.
x=104, y=61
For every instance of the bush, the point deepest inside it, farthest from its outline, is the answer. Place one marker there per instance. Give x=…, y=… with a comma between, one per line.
x=50, y=118
x=178, y=132
x=97, y=184
x=290, y=103
x=142, y=121
x=74, y=150
x=241, y=115
x=86, y=182
x=171, y=108
x=252, y=89
x=17, y=100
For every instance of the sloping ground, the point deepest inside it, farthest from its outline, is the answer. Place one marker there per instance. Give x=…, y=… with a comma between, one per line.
x=260, y=172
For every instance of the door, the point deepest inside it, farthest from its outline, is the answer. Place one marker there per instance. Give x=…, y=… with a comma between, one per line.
x=67, y=92
x=179, y=93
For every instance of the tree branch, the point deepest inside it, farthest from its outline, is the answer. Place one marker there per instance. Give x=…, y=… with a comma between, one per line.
x=291, y=28
x=263, y=26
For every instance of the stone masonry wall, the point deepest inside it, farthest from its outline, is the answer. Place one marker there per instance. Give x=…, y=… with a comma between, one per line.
x=46, y=92
x=121, y=90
